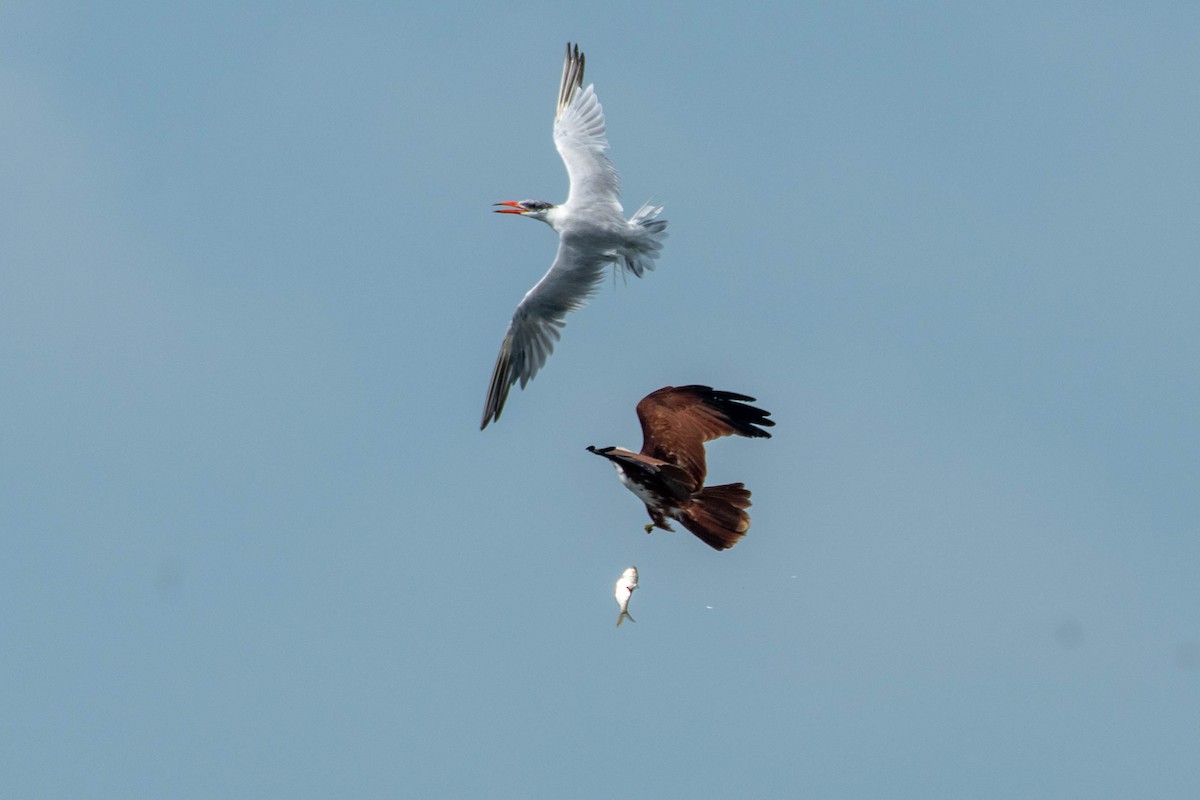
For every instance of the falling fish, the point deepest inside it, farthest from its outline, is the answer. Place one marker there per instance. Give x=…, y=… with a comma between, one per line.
x=625, y=586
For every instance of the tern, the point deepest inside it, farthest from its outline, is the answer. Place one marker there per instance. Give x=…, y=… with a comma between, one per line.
x=592, y=230
x=668, y=474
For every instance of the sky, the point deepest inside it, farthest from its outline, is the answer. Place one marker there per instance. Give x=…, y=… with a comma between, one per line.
x=254, y=544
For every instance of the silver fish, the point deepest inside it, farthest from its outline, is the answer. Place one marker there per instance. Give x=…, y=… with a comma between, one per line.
x=625, y=586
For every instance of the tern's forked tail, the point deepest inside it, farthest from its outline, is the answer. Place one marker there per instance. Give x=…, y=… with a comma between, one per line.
x=646, y=235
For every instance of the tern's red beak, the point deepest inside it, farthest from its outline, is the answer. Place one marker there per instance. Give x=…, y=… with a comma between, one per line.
x=513, y=207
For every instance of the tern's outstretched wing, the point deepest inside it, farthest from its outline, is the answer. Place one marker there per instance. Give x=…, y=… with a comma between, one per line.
x=579, y=137
x=678, y=420
x=539, y=317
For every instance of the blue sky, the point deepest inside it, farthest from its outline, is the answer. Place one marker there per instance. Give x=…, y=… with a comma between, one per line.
x=251, y=291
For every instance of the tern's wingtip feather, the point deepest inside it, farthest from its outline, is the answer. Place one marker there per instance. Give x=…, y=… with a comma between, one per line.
x=500, y=383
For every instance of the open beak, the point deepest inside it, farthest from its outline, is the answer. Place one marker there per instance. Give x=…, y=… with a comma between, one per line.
x=513, y=207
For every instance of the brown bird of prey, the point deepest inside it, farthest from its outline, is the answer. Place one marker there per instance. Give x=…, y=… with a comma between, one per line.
x=668, y=475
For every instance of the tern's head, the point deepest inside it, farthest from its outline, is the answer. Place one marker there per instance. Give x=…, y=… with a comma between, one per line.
x=534, y=209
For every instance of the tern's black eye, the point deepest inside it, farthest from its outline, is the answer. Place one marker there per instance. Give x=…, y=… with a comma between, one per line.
x=536, y=205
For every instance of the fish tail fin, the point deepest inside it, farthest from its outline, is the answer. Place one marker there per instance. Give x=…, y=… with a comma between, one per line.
x=717, y=515
x=624, y=615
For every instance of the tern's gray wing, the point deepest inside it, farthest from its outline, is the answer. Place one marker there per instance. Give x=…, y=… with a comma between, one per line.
x=539, y=317
x=579, y=137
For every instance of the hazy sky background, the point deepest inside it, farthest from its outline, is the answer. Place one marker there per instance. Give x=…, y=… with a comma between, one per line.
x=251, y=290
